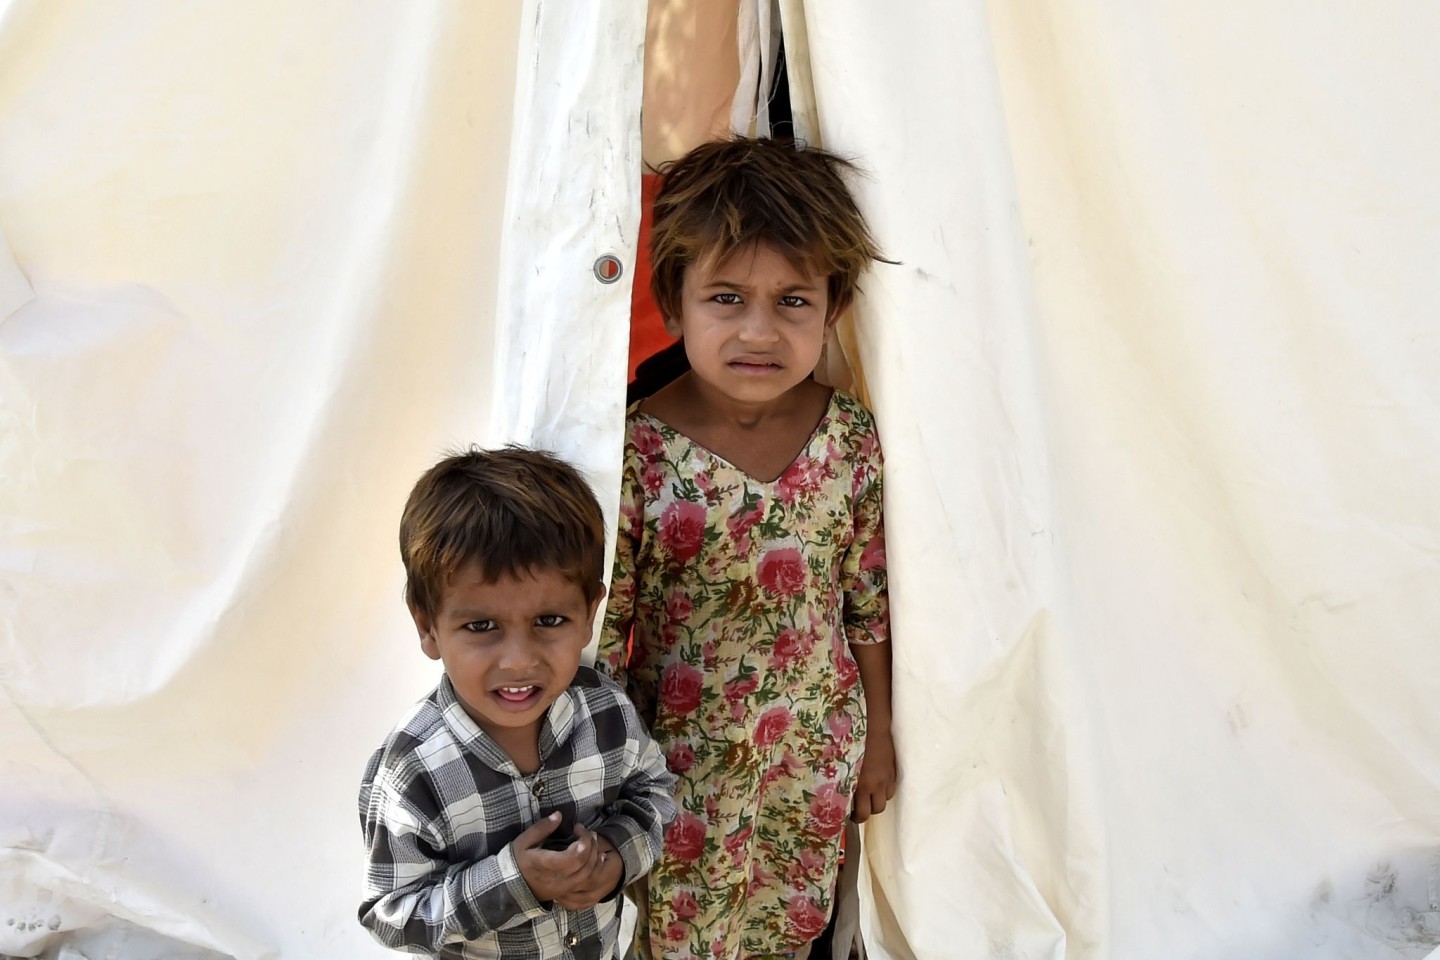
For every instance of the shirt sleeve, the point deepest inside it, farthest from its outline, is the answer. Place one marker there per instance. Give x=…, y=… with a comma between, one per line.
x=863, y=578
x=414, y=897
x=612, y=654
x=635, y=822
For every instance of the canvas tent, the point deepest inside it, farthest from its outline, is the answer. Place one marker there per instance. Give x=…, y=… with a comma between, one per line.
x=1156, y=375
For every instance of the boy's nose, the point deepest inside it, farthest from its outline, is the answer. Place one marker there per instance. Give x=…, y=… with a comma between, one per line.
x=517, y=651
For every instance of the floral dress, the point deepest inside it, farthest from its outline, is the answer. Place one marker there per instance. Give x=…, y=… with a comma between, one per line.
x=732, y=606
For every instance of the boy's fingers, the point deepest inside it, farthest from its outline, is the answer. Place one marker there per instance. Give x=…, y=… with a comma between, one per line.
x=536, y=833
x=592, y=847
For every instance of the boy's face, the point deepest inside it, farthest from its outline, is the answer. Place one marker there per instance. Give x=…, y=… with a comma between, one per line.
x=510, y=646
x=754, y=324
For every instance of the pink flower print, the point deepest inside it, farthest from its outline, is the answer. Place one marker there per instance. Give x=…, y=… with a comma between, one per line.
x=828, y=809
x=806, y=919
x=874, y=556
x=739, y=524
x=647, y=440
x=812, y=863
x=632, y=519
x=736, y=841
x=772, y=726
x=682, y=530
x=845, y=670
x=678, y=607
x=782, y=572
x=760, y=877
x=685, y=906
x=680, y=688
x=800, y=480
x=742, y=687
x=787, y=647
x=685, y=838
x=653, y=478
x=680, y=758
x=868, y=444
x=841, y=725
x=675, y=932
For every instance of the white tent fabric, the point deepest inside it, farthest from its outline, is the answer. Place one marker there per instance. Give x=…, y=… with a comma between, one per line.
x=1156, y=375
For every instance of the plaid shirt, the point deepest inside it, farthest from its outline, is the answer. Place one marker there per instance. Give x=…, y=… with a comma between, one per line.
x=441, y=803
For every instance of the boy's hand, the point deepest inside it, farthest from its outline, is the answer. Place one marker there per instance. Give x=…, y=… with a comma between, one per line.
x=554, y=875
x=604, y=876
x=877, y=775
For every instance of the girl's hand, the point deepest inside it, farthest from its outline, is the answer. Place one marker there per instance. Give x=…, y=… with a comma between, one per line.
x=877, y=775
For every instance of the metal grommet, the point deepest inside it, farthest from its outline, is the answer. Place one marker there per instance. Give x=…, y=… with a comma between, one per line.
x=608, y=269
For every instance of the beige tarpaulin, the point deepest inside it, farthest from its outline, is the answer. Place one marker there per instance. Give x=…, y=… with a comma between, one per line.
x=1158, y=377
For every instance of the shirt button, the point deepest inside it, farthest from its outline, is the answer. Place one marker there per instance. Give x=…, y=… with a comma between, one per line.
x=539, y=787
x=572, y=940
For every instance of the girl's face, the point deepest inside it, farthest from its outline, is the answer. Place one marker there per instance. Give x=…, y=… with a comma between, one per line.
x=753, y=324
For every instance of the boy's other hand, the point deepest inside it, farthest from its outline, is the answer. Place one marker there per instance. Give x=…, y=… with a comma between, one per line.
x=877, y=775
x=606, y=872
x=555, y=874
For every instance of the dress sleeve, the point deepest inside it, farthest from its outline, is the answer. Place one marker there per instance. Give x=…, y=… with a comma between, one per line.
x=415, y=898
x=862, y=571
x=612, y=654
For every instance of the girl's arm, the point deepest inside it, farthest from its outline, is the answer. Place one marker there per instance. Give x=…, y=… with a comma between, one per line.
x=867, y=627
x=877, y=769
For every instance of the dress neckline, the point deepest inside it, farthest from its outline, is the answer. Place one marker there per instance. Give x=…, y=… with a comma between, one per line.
x=817, y=431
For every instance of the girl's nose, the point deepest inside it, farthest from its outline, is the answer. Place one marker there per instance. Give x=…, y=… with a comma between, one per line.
x=759, y=325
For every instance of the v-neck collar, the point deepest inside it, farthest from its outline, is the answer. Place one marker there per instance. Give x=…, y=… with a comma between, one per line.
x=819, y=429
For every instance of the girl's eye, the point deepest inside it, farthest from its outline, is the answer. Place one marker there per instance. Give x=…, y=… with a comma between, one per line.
x=793, y=301
x=479, y=626
x=729, y=299
x=550, y=620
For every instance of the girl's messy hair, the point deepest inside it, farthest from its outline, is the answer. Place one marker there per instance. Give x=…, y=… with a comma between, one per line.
x=728, y=194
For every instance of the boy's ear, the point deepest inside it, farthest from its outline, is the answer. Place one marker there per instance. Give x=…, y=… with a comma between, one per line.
x=672, y=325
x=595, y=608
x=836, y=309
x=425, y=625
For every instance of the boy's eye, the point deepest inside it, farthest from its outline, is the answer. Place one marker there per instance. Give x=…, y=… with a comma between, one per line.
x=729, y=299
x=793, y=301
x=550, y=620
x=479, y=626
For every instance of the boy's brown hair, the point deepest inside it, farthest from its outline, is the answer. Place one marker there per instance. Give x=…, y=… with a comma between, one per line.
x=727, y=194
x=513, y=511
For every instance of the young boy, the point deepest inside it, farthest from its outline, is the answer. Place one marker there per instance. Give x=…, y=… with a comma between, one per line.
x=506, y=811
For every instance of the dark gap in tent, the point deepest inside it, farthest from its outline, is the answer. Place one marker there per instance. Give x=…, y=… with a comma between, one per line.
x=655, y=357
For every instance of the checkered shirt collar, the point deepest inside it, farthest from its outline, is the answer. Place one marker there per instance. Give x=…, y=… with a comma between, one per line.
x=555, y=728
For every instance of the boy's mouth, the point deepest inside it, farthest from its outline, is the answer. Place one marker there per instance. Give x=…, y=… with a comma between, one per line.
x=518, y=696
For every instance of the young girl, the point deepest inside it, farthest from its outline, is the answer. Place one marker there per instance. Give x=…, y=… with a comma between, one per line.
x=748, y=612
